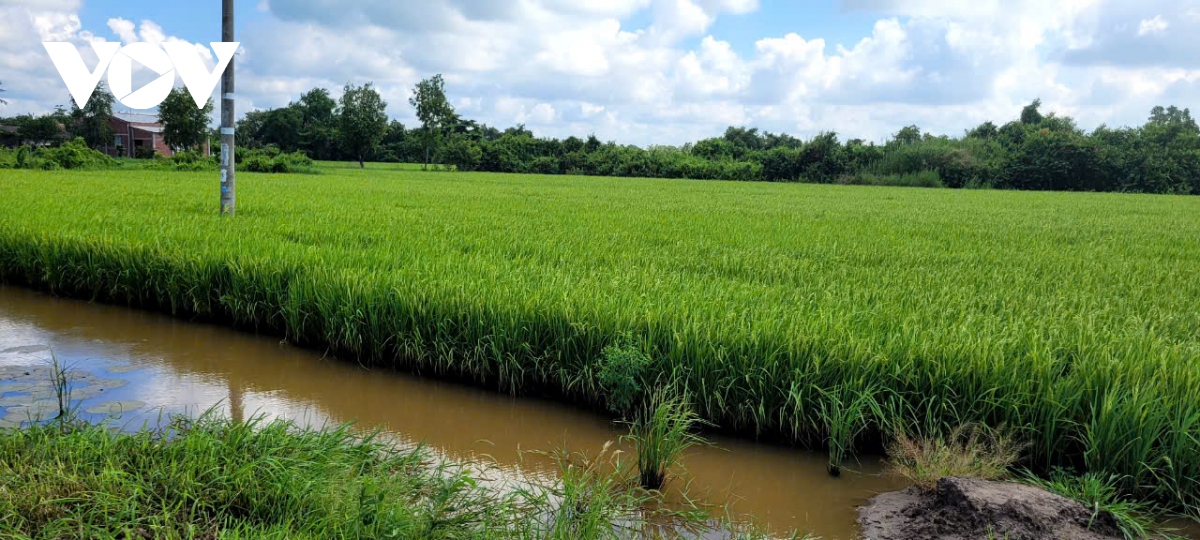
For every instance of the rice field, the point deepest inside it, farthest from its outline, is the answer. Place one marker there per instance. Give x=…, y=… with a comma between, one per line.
x=824, y=316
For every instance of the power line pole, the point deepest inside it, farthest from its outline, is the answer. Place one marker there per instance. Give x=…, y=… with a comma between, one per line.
x=228, y=185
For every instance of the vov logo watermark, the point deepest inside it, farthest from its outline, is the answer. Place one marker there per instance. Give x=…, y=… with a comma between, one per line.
x=166, y=61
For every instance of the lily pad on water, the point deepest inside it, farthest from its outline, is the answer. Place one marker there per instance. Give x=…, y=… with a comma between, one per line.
x=116, y=407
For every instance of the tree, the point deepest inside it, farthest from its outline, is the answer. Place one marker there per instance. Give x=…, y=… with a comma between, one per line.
x=92, y=120
x=318, y=120
x=1030, y=114
x=185, y=125
x=41, y=130
x=363, y=121
x=2, y=102
x=908, y=135
x=433, y=110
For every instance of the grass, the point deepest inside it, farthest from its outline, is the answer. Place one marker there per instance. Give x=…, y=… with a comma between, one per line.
x=1069, y=317
x=1102, y=494
x=661, y=432
x=967, y=451
x=215, y=478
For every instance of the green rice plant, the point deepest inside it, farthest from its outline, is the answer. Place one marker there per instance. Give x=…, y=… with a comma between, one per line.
x=847, y=412
x=663, y=429
x=1069, y=317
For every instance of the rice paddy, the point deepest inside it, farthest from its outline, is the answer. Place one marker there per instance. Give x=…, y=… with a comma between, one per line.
x=825, y=316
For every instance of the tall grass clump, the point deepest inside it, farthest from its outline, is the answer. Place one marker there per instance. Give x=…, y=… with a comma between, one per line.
x=966, y=451
x=824, y=316
x=663, y=429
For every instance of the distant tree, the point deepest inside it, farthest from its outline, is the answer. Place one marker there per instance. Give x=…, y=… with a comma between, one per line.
x=1030, y=115
x=518, y=130
x=318, y=121
x=363, y=121
x=743, y=140
x=1173, y=116
x=185, y=126
x=282, y=127
x=433, y=110
x=249, y=129
x=908, y=135
x=40, y=130
x=986, y=130
x=92, y=120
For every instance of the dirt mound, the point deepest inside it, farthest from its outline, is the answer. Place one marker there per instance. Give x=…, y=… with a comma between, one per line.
x=965, y=508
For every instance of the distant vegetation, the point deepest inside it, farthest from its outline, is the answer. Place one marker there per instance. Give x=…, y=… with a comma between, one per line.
x=825, y=316
x=1036, y=151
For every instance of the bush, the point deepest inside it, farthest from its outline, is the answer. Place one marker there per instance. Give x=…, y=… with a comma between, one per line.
x=272, y=160
x=545, y=165
x=622, y=374
x=462, y=153
x=144, y=152
x=928, y=179
x=75, y=154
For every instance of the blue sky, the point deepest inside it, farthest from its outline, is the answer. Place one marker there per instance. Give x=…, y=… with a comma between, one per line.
x=668, y=71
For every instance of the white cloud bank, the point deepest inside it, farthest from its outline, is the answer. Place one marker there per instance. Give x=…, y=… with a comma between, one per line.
x=649, y=72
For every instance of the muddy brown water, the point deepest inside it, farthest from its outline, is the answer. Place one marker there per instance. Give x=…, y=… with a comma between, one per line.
x=149, y=364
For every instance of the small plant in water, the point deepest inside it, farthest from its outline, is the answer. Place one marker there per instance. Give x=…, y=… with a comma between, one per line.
x=662, y=431
x=967, y=451
x=846, y=412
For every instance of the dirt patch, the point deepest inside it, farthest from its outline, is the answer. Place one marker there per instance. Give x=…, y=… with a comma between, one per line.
x=964, y=508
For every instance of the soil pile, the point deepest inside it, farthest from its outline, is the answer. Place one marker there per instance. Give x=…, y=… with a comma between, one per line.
x=970, y=509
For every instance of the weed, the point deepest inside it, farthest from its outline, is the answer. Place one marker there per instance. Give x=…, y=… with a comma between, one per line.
x=967, y=451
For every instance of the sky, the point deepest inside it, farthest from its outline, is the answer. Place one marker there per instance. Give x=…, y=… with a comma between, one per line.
x=652, y=72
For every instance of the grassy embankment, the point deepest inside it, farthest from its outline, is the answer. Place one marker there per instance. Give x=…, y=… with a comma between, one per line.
x=828, y=316
x=213, y=478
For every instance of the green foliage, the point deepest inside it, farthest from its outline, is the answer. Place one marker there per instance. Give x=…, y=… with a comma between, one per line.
x=462, y=153
x=1101, y=494
x=622, y=374
x=664, y=428
x=273, y=160
x=433, y=110
x=965, y=452
x=92, y=120
x=797, y=312
x=74, y=154
x=185, y=126
x=362, y=121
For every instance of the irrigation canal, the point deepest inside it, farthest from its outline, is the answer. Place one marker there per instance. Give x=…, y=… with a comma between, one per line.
x=133, y=368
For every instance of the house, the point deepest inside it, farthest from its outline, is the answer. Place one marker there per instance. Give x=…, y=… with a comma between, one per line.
x=134, y=131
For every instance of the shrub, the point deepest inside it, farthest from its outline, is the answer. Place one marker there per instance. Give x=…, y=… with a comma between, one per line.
x=622, y=374
x=271, y=160
x=75, y=154
x=143, y=152
x=462, y=153
x=545, y=165
x=967, y=451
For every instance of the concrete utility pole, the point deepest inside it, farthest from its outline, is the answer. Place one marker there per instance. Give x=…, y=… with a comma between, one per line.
x=228, y=185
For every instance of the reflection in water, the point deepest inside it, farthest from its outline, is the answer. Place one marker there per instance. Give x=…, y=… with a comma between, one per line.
x=176, y=366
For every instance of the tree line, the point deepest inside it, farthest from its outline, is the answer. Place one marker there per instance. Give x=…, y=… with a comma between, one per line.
x=1037, y=150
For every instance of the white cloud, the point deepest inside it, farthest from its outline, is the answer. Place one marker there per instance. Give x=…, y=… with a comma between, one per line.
x=1156, y=25
x=649, y=71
